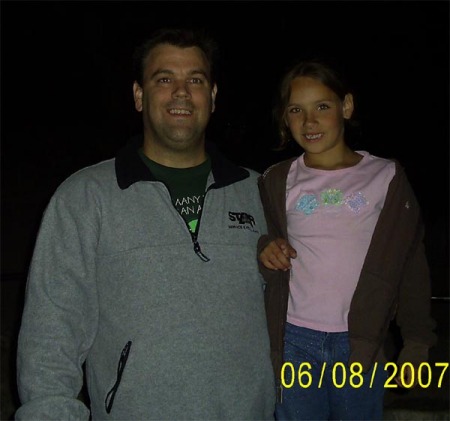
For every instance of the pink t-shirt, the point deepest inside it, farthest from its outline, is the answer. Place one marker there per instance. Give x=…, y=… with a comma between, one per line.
x=331, y=218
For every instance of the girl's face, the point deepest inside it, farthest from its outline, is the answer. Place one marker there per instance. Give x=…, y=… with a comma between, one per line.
x=315, y=115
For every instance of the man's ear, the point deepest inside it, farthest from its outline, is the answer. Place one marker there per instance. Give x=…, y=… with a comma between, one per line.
x=213, y=98
x=348, y=106
x=137, y=94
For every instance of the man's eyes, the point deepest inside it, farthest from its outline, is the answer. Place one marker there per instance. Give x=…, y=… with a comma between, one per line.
x=194, y=80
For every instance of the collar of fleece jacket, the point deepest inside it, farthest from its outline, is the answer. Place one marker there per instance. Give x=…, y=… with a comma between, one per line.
x=130, y=168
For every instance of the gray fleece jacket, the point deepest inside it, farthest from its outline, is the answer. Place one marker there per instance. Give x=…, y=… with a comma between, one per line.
x=170, y=326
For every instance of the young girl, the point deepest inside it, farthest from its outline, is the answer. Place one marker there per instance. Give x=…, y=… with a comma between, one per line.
x=343, y=256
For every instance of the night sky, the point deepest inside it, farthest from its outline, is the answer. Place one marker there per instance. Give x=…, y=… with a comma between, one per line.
x=67, y=98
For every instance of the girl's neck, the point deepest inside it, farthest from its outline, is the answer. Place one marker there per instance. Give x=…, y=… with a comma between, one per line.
x=346, y=159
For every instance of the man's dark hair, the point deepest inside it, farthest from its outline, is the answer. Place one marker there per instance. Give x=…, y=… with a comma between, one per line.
x=179, y=37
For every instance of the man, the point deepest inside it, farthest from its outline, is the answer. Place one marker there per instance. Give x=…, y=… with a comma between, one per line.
x=145, y=268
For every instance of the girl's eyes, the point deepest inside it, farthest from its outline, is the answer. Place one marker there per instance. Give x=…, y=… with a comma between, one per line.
x=320, y=107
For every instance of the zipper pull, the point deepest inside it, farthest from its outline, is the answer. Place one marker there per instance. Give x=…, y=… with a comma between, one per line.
x=198, y=250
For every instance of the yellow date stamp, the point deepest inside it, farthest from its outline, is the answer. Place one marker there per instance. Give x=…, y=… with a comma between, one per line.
x=425, y=375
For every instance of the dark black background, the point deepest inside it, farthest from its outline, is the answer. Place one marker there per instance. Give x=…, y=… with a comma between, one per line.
x=66, y=102
x=66, y=97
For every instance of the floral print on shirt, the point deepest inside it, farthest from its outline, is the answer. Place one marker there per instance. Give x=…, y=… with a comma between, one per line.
x=308, y=203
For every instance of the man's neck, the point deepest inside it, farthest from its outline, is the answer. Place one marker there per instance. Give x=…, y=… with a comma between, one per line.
x=175, y=158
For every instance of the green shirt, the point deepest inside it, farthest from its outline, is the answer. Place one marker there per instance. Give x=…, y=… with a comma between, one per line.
x=186, y=187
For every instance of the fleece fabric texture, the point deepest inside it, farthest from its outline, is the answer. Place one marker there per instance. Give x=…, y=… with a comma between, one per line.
x=115, y=282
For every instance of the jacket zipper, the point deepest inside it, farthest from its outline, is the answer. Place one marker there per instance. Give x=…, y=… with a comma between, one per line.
x=109, y=400
x=197, y=249
x=194, y=236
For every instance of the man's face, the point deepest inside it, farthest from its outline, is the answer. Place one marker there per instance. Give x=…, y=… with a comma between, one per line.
x=176, y=98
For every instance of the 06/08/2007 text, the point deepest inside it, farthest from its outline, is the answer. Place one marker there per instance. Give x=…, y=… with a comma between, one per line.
x=423, y=373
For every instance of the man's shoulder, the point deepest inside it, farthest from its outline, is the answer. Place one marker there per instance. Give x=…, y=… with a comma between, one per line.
x=253, y=174
x=93, y=175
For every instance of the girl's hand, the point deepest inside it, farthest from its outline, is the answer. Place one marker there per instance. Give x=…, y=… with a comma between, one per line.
x=277, y=255
x=406, y=379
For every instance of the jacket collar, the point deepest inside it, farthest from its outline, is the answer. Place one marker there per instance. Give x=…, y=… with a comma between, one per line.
x=130, y=168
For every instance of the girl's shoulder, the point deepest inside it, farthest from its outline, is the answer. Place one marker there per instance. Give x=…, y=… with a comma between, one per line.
x=278, y=169
x=377, y=164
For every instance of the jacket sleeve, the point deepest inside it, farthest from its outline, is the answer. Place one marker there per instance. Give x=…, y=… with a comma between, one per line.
x=394, y=281
x=414, y=298
x=60, y=313
x=272, y=229
x=277, y=282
